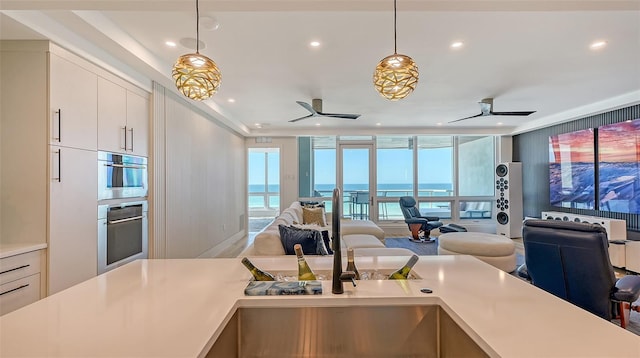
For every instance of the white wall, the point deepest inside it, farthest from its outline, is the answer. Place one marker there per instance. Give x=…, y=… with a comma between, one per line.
x=199, y=180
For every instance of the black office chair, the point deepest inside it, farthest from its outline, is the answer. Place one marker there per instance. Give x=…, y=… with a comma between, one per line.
x=570, y=260
x=419, y=225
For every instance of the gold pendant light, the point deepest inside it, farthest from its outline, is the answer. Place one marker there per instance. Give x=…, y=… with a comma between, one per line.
x=396, y=76
x=196, y=75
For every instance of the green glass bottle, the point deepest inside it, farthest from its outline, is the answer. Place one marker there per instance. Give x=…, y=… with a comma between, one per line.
x=258, y=274
x=351, y=264
x=304, y=271
x=403, y=272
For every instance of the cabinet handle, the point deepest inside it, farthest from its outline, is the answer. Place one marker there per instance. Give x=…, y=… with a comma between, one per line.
x=125, y=220
x=125, y=138
x=14, y=269
x=59, y=177
x=131, y=138
x=59, y=113
x=15, y=289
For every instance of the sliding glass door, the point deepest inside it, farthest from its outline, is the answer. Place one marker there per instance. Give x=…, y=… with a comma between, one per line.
x=356, y=180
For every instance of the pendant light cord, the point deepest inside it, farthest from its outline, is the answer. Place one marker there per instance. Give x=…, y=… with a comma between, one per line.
x=198, y=28
x=395, y=35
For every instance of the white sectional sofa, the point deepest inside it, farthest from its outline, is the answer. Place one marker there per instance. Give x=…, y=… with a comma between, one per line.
x=354, y=234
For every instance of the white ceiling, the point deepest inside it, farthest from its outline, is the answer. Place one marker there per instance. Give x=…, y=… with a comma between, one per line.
x=528, y=55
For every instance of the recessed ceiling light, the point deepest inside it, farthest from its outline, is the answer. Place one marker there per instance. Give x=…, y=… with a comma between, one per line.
x=597, y=45
x=318, y=124
x=378, y=124
x=457, y=44
x=439, y=123
x=258, y=125
x=499, y=123
x=170, y=43
x=231, y=100
x=314, y=43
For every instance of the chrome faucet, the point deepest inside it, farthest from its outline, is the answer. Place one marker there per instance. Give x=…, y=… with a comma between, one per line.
x=338, y=275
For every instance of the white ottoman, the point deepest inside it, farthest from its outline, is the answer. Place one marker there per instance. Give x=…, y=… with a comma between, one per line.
x=387, y=251
x=496, y=250
x=361, y=241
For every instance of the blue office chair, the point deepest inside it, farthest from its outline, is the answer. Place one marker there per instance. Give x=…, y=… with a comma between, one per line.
x=419, y=225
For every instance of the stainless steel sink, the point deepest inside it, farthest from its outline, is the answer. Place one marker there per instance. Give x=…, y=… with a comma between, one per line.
x=360, y=331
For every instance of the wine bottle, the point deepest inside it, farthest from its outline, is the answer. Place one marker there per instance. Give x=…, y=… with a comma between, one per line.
x=304, y=271
x=351, y=265
x=258, y=274
x=403, y=272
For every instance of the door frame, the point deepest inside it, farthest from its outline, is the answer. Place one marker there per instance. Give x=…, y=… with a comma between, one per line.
x=360, y=144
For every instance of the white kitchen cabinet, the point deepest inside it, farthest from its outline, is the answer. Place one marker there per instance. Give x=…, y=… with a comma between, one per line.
x=138, y=124
x=112, y=116
x=73, y=96
x=21, y=277
x=123, y=119
x=73, y=217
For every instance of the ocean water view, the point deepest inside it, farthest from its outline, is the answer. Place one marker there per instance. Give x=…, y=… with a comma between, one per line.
x=390, y=210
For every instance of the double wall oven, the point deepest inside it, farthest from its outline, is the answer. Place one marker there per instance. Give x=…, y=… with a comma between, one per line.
x=122, y=210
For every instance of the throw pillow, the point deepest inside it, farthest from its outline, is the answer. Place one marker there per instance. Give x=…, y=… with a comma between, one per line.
x=312, y=204
x=324, y=232
x=311, y=240
x=313, y=216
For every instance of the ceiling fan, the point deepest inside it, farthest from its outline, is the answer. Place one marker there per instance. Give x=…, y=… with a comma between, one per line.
x=316, y=111
x=486, y=109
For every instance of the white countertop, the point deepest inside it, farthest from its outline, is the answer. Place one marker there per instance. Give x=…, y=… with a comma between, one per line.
x=177, y=308
x=7, y=250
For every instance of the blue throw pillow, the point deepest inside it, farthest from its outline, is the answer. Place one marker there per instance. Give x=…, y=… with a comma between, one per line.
x=310, y=240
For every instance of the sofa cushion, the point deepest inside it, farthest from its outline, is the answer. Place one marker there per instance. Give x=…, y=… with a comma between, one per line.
x=313, y=216
x=297, y=209
x=311, y=240
x=268, y=242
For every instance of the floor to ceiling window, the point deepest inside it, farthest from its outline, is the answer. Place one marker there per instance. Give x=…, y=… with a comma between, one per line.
x=450, y=176
x=263, y=186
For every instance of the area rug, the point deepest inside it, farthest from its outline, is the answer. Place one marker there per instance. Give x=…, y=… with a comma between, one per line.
x=426, y=248
x=431, y=248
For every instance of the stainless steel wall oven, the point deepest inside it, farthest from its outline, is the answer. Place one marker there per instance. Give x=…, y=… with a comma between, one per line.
x=121, y=176
x=122, y=234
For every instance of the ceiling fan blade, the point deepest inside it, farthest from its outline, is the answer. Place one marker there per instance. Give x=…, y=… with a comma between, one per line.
x=462, y=119
x=520, y=113
x=340, y=115
x=301, y=118
x=307, y=106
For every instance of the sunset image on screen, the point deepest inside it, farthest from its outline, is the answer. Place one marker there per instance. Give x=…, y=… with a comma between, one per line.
x=571, y=170
x=619, y=168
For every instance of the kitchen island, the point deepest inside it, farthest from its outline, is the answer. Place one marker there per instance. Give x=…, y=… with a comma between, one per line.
x=179, y=308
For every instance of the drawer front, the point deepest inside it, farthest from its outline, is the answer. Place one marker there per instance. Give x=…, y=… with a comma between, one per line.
x=19, y=293
x=19, y=266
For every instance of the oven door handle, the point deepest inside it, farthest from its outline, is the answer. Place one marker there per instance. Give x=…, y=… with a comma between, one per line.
x=125, y=166
x=125, y=220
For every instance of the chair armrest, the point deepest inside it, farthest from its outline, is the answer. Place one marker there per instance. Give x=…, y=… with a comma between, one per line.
x=415, y=220
x=429, y=218
x=627, y=289
x=523, y=272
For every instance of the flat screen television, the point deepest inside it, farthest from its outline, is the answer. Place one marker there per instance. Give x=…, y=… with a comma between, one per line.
x=571, y=170
x=619, y=167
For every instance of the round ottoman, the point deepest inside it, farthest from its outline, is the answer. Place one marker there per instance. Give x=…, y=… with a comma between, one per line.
x=496, y=250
